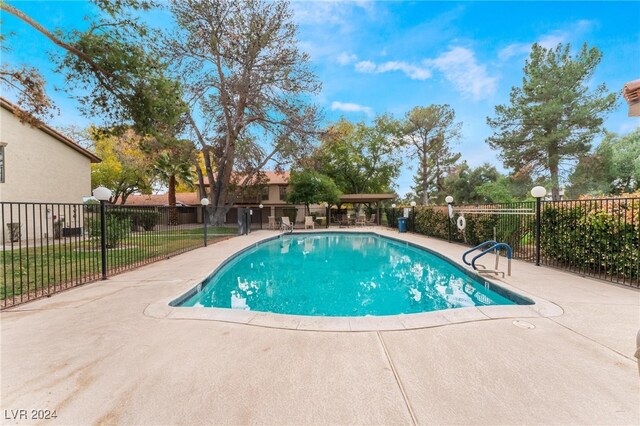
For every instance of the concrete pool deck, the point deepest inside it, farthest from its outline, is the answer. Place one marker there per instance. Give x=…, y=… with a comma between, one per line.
x=94, y=356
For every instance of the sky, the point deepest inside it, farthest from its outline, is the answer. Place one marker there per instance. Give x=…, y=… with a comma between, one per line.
x=376, y=57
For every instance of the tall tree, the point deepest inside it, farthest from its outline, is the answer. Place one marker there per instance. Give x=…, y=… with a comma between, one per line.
x=175, y=163
x=612, y=168
x=463, y=183
x=430, y=131
x=245, y=77
x=361, y=158
x=118, y=76
x=554, y=116
x=125, y=168
x=310, y=187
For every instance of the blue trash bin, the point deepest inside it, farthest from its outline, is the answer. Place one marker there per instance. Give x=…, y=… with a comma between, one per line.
x=402, y=224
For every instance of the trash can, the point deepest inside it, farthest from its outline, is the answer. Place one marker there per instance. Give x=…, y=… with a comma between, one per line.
x=402, y=224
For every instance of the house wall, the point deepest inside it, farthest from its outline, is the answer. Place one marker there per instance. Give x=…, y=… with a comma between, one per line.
x=40, y=168
x=274, y=196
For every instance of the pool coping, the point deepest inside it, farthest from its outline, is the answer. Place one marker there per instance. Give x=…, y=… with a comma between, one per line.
x=163, y=309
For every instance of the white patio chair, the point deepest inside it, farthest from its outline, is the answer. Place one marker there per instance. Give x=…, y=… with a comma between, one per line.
x=372, y=220
x=286, y=224
x=308, y=223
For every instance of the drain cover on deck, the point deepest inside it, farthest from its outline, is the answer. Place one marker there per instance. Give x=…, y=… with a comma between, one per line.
x=523, y=324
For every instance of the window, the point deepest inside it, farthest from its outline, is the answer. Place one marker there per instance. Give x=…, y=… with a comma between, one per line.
x=283, y=191
x=265, y=193
x=1, y=163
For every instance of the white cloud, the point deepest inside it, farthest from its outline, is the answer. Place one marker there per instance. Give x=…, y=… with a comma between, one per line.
x=414, y=72
x=366, y=66
x=514, y=49
x=459, y=66
x=549, y=40
x=346, y=58
x=350, y=107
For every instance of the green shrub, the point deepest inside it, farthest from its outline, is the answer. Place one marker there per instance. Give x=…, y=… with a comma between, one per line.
x=514, y=230
x=118, y=228
x=392, y=217
x=145, y=218
x=593, y=238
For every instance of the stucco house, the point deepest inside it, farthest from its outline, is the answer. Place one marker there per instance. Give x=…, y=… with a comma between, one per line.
x=39, y=164
x=271, y=195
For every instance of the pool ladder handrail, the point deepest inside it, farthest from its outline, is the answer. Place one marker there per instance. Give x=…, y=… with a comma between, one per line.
x=464, y=255
x=496, y=247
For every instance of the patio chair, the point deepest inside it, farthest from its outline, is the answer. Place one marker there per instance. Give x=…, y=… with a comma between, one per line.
x=344, y=220
x=361, y=220
x=308, y=223
x=372, y=220
x=286, y=225
x=272, y=222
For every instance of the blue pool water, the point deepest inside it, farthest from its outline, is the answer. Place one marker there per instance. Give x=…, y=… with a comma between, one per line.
x=341, y=274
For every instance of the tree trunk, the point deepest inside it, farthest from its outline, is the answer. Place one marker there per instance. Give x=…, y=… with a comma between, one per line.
x=425, y=183
x=173, y=211
x=554, y=168
x=217, y=215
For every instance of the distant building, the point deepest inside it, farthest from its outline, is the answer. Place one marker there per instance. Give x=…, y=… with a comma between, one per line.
x=271, y=194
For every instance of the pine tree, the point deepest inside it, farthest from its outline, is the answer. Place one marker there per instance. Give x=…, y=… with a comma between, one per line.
x=554, y=116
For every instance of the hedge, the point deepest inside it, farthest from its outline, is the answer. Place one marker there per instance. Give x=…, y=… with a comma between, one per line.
x=598, y=237
x=604, y=238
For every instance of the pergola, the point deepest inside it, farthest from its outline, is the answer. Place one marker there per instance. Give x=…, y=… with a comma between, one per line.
x=367, y=198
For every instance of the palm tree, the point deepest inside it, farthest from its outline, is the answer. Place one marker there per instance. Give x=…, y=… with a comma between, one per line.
x=171, y=166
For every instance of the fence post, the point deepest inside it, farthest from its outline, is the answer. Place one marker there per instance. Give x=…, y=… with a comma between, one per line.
x=413, y=217
x=449, y=200
x=538, y=192
x=328, y=215
x=205, y=220
x=538, y=205
x=103, y=238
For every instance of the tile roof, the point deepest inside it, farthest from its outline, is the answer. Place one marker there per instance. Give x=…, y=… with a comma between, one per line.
x=182, y=198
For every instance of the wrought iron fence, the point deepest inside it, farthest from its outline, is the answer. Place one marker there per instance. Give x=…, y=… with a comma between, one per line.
x=594, y=237
x=49, y=247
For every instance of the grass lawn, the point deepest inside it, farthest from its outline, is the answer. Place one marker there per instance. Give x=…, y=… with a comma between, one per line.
x=51, y=265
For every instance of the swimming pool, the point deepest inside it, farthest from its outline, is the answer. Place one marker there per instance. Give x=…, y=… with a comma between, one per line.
x=342, y=274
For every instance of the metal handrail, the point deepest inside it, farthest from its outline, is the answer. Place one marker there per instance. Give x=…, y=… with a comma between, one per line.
x=474, y=249
x=496, y=247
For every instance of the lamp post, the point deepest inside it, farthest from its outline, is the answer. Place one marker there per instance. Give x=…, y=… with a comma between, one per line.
x=413, y=216
x=449, y=200
x=205, y=203
x=327, y=207
x=261, y=206
x=103, y=194
x=538, y=192
x=393, y=209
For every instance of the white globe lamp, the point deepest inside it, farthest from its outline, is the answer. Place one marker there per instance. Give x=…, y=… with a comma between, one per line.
x=538, y=192
x=102, y=194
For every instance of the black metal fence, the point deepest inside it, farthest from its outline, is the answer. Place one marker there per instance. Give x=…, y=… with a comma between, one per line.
x=593, y=237
x=49, y=247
